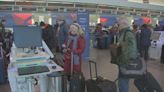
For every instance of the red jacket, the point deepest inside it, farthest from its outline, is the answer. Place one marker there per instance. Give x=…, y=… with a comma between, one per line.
x=79, y=50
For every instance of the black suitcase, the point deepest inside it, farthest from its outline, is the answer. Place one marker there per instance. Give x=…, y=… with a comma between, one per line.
x=99, y=84
x=77, y=80
x=77, y=83
x=147, y=84
x=2, y=67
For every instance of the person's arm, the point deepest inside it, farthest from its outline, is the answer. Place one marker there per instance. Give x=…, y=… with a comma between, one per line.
x=65, y=31
x=150, y=38
x=141, y=36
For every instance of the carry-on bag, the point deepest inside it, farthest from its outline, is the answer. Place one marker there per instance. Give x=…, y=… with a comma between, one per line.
x=136, y=68
x=77, y=80
x=147, y=83
x=99, y=84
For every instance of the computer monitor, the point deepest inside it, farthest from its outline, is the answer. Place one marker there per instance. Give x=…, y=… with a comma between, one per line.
x=27, y=36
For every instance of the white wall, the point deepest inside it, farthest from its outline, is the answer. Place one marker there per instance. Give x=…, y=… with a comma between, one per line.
x=157, y=2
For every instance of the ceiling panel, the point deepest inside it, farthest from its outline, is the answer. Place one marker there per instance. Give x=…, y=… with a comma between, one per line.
x=156, y=2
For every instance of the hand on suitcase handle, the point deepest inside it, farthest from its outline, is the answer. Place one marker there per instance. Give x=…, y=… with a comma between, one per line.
x=66, y=50
x=91, y=61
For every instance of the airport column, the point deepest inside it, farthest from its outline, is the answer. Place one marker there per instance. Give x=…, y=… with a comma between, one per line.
x=83, y=20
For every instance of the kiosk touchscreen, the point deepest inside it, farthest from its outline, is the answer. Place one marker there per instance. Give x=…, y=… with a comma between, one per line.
x=155, y=36
x=27, y=36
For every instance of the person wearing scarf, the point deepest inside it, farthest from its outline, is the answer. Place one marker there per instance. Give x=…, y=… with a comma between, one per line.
x=74, y=44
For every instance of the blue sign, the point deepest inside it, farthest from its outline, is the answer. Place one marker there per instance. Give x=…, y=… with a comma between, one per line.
x=8, y=17
x=83, y=20
x=139, y=21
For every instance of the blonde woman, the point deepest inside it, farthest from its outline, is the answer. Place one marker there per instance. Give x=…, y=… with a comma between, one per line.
x=75, y=44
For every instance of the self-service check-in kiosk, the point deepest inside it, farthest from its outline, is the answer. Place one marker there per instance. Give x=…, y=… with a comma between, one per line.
x=157, y=42
x=30, y=60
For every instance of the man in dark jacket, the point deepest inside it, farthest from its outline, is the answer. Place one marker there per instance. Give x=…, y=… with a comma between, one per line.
x=60, y=33
x=99, y=35
x=145, y=41
x=113, y=34
x=2, y=30
x=47, y=34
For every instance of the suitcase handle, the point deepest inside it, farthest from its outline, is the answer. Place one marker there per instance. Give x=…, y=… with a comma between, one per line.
x=92, y=62
x=72, y=63
x=1, y=52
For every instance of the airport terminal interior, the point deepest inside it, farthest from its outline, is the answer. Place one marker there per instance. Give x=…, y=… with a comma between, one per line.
x=81, y=45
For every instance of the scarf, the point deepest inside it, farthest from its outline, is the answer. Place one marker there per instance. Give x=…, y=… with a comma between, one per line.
x=74, y=41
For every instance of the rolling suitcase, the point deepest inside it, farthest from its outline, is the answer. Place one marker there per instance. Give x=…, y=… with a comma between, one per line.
x=147, y=84
x=2, y=68
x=77, y=80
x=99, y=84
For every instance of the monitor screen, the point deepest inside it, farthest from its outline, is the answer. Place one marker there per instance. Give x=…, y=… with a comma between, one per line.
x=155, y=36
x=27, y=36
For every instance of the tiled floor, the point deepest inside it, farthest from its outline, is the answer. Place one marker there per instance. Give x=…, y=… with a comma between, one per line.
x=110, y=71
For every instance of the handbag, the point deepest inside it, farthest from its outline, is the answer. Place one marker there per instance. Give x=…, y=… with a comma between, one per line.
x=136, y=68
x=115, y=51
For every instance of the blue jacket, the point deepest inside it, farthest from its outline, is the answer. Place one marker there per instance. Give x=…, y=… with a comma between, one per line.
x=61, y=36
x=145, y=37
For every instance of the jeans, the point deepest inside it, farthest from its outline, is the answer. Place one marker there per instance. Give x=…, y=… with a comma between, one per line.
x=99, y=43
x=123, y=84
